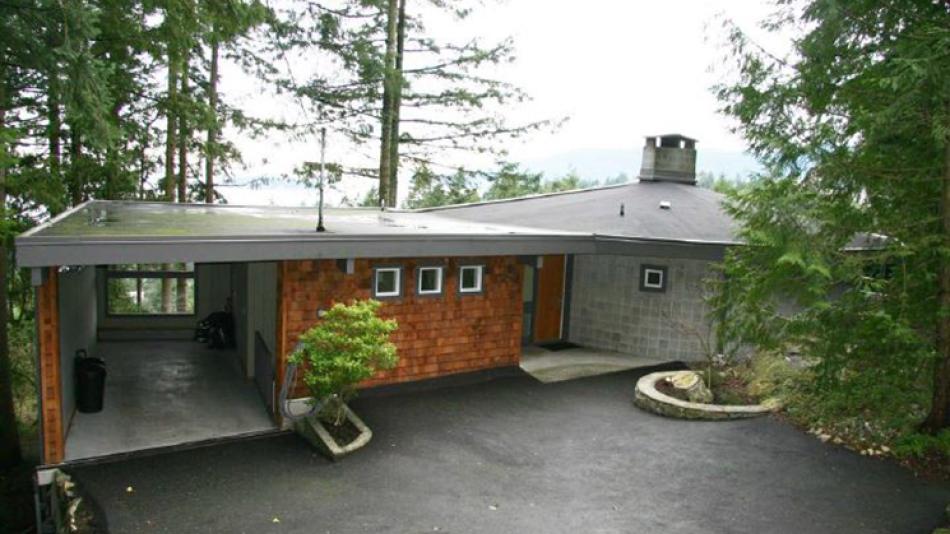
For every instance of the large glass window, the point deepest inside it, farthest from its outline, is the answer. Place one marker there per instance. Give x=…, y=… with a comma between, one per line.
x=150, y=289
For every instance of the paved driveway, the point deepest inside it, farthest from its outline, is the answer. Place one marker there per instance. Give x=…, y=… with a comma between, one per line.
x=518, y=456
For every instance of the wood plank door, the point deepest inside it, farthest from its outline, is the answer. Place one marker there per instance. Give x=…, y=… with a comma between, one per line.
x=549, y=299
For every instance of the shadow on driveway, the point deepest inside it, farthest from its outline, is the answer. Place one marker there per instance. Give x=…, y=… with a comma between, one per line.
x=515, y=455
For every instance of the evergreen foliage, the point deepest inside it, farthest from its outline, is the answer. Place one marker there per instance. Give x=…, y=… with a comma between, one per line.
x=848, y=238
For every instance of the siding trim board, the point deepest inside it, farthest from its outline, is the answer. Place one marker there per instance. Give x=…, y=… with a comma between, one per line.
x=50, y=394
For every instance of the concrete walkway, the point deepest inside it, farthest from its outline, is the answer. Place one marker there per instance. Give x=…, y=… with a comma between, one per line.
x=577, y=362
x=161, y=393
x=516, y=455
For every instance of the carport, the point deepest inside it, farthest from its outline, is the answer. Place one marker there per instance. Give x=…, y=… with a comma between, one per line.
x=127, y=281
x=163, y=387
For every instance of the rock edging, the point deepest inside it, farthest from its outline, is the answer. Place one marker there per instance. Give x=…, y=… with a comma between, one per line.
x=649, y=398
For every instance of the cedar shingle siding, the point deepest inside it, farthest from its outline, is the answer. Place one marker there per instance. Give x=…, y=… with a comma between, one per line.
x=438, y=335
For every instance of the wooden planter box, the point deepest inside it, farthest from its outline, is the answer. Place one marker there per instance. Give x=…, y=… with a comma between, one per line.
x=313, y=430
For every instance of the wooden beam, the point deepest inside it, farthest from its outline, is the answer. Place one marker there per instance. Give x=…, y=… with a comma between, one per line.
x=51, y=394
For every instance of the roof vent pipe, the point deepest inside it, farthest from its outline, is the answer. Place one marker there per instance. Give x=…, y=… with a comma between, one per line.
x=621, y=209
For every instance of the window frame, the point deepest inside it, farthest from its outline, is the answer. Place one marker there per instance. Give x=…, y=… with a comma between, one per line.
x=399, y=278
x=441, y=280
x=145, y=274
x=646, y=271
x=480, y=269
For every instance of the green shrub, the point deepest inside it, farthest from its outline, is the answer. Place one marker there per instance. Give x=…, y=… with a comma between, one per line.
x=770, y=375
x=920, y=445
x=349, y=344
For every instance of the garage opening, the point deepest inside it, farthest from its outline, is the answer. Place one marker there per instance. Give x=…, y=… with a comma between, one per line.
x=165, y=387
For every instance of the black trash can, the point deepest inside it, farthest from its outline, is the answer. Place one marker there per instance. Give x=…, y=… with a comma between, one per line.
x=90, y=382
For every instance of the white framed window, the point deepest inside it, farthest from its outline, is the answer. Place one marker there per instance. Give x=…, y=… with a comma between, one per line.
x=652, y=278
x=387, y=282
x=471, y=278
x=429, y=280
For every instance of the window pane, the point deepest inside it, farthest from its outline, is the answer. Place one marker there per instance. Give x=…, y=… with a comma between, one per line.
x=470, y=278
x=527, y=288
x=151, y=296
x=386, y=282
x=429, y=280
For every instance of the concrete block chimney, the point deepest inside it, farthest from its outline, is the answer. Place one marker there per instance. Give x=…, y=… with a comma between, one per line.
x=669, y=158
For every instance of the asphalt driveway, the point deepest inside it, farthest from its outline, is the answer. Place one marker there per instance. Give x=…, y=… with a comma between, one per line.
x=518, y=456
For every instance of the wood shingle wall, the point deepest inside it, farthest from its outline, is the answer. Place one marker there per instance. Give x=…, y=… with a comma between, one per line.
x=438, y=335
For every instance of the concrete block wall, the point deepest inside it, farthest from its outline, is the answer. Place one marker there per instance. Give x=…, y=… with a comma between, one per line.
x=438, y=335
x=608, y=310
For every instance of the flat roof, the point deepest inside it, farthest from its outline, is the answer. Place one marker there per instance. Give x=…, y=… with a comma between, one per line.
x=104, y=232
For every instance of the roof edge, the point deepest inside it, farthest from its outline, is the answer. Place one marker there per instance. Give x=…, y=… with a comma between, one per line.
x=517, y=199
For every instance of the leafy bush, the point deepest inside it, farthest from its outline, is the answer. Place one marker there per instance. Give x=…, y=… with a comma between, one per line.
x=349, y=344
x=23, y=375
x=919, y=445
x=769, y=374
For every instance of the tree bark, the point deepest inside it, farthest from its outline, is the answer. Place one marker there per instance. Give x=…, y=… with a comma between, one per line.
x=184, y=135
x=939, y=416
x=171, y=127
x=54, y=124
x=389, y=83
x=77, y=193
x=10, y=453
x=210, y=150
x=395, y=107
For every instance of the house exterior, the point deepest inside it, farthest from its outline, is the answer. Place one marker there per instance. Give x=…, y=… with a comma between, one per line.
x=617, y=268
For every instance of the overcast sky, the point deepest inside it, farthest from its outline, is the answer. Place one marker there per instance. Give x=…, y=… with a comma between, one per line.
x=619, y=69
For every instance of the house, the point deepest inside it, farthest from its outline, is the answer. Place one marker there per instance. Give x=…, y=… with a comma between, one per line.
x=616, y=268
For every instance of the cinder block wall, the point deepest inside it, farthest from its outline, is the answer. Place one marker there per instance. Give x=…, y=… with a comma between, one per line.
x=608, y=310
x=438, y=335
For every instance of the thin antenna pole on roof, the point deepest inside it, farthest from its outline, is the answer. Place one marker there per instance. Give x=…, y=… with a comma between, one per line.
x=323, y=151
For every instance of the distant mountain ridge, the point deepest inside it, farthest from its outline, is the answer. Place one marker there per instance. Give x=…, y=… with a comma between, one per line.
x=600, y=164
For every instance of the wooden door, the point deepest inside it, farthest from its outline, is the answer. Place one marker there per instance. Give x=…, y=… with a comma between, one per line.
x=549, y=299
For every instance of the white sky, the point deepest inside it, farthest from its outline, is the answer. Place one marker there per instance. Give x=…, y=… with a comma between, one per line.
x=620, y=69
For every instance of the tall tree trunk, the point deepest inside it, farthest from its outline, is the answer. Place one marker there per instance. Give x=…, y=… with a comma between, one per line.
x=939, y=416
x=54, y=124
x=9, y=436
x=184, y=134
x=210, y=147
x=396, y=106
x=77, y=192
x=389, y=84
x=171, y=127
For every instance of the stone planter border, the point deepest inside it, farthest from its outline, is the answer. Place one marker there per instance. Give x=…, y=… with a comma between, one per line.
x=312, y=429
x=648, y=398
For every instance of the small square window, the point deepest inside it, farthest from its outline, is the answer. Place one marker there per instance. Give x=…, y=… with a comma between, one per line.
x=652, y=278
x=387, y=282
x=429, y=281
x=470, y=278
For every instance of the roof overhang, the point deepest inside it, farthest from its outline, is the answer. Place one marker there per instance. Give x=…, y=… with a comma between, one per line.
x=193, y=234
x=40, y=252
